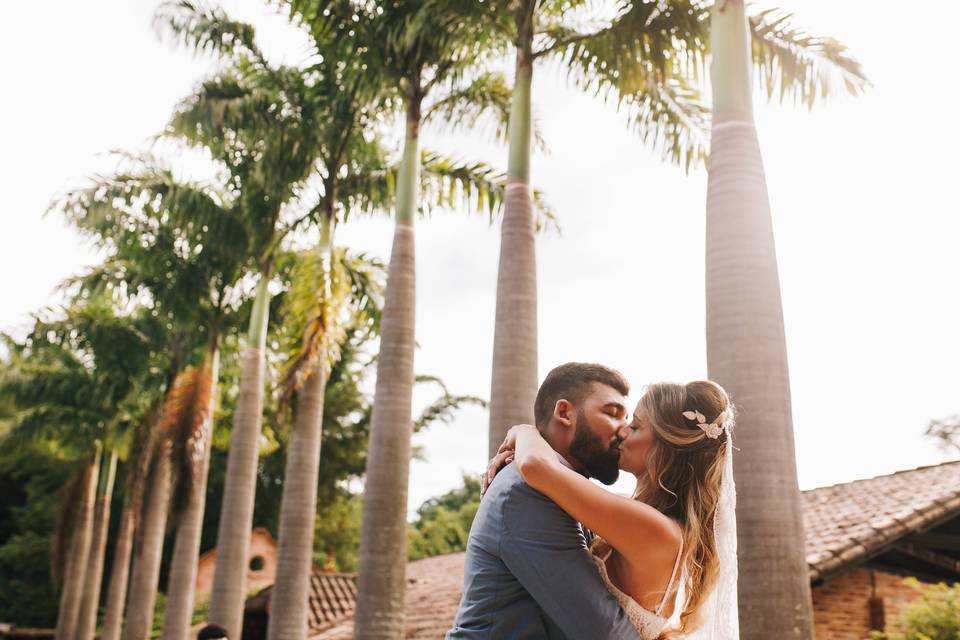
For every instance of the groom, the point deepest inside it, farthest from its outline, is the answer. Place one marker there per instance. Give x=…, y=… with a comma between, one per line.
x=528, y=573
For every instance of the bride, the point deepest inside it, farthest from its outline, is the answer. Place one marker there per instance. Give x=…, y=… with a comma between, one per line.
x=678, y=529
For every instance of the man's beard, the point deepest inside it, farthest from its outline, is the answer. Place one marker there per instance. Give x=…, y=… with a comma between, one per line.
x=600, y=460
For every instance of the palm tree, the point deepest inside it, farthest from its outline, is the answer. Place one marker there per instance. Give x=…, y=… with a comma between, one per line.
x=419, y=57
x=73, y=581
x=145, y=571
x=184, y=245
x=86, y=625
x=192, y=421
x=78, y=385
x=246, y=102
x=646, y=57
x=333, y=294
x=141, y=452
x=746, y=350
x=617, y=55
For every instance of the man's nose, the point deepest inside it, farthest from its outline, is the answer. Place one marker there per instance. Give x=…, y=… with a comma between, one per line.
x=622, y=431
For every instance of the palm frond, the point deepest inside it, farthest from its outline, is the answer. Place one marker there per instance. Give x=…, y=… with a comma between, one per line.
x=447, y=183
x=672, y=119
x=182, y=421
x=645, y=38
x=179, y=240
x=794, y=64
x=474, y=187
x=221, y=108
x=444, y=409
x=205, y=28
x=367, y=190
x=329, y=298
x=642, y=62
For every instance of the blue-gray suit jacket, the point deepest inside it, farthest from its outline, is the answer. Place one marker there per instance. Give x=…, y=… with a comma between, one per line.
x=529, y=574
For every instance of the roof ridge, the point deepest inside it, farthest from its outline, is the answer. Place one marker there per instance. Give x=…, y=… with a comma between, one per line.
x=883, y=475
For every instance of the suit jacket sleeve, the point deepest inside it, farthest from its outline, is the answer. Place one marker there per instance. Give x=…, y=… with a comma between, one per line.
x=544, y=548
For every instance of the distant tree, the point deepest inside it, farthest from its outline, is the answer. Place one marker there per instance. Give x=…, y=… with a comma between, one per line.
x=74, y=384
x=30, y=482
x=946, y=433
x=443, y=522
x=336, y=539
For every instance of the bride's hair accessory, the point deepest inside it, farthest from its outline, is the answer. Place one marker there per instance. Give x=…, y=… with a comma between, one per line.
x=712, y=429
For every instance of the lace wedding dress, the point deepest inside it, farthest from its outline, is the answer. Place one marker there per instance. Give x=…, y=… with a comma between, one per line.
x=649, y=624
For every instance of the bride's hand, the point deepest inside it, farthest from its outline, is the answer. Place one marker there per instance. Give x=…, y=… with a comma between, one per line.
x=504, y=456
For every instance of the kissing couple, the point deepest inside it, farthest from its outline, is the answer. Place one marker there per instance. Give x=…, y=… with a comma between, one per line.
x=553, y=555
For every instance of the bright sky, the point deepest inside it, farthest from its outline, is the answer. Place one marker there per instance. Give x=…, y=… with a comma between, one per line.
x=862, y=191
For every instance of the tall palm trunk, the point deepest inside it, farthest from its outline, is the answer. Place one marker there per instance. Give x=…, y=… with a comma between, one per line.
x=383, y=532
x=181, y=583
x=146, y=563
x=513, y=387
x=119, y=575
x=746, y=349
x=298, y=509
x=94, y=577
x=70, y=597
x=236, y=511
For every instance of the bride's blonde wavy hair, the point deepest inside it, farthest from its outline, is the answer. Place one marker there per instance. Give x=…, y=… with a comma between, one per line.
x=682, y=480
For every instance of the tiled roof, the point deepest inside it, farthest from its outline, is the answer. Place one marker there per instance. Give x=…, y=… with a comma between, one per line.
x=844, y=523
x=433, y=594
x=848, y=522
x=331, y=599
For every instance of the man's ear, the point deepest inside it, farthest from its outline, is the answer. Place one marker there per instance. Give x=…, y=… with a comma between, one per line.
x=564, y=412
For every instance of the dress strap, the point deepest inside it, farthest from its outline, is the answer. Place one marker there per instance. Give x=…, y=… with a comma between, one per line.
x=676, y=564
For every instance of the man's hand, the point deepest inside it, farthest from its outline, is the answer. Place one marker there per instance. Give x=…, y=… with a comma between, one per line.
x=496, y=463
x=504, y=456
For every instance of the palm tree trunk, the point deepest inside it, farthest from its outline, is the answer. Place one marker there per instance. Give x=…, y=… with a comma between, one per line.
x=236, y=511
x=91, y=588
x=298, y=508
x=181, y=583
x=513, y=386
x=73, y=581
x=746, y=349
x=383, y=532
x=119, y=574
x=146, y=563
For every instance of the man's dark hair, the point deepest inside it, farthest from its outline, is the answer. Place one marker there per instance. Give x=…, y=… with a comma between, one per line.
x=212, y=632
x=572, y=382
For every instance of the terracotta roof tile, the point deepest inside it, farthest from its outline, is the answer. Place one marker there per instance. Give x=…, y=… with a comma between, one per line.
x=433, y=595
x=848, y=522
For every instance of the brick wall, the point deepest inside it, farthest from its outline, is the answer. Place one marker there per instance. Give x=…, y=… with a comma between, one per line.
x=841, y=605
x=262, y=545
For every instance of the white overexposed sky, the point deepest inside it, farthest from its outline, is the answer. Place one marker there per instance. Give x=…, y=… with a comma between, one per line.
x=863, y=193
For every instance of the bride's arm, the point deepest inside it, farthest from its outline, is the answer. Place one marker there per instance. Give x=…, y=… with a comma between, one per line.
x=628, y=525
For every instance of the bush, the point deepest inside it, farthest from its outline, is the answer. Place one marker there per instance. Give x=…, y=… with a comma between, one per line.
x=935, y=616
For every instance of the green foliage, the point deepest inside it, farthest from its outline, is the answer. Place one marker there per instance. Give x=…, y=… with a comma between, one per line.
x=934, y=616
x=200, y=613
x=30, y=483
x=946, y=433
x=76, y=378
x=443, y=523
x=336, y=539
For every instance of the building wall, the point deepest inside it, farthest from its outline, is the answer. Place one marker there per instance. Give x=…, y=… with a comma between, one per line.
x=262, y=546
x=841, y=605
